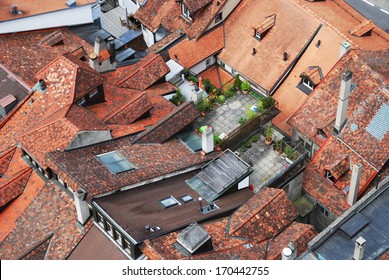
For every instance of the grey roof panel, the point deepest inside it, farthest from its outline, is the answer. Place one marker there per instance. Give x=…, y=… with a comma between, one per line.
x=379, y=125
x=355, y=224
x=123, y=55
x=193, y=237
x=129, y=36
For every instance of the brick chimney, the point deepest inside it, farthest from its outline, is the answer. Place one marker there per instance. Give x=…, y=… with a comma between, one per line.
x=344, y=94
x=81, y=206
x=344, y=47
x=207, y=140
x=354, y=184
x=359, y=248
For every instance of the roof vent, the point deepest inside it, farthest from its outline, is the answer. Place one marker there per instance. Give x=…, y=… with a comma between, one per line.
x=151, y=229
x=285, y=56
x=254, y=51
x=71, y=3
x=15, y=10
x=42, y=84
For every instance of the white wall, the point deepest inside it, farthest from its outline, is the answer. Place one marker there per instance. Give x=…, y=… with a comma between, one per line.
x=244, y=183
x=226, y=10
x=148, y=36
x=129, y=5
x=66, y=17
x=201, y=66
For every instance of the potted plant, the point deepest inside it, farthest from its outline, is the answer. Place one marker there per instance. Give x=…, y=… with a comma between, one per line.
x=245, y=86
x=290, y=154
x=192, y=80
x=269, y=134
x=237, y=82
x=207, y=84
x=279, y=147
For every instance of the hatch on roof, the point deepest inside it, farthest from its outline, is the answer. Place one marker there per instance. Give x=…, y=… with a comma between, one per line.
x=354, y=225
x=193, y=237
x=379, y=125
x=115, y=162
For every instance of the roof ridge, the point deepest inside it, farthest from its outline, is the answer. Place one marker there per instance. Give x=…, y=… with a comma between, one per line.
x=138, y=69
x=15, y=177
x=161, y=121
x=259, y=210
x=113, y=114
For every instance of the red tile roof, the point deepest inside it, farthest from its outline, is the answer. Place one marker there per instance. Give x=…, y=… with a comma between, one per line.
x=5, y=159
x=150, y=161
x=267, y=65
x=13, y=187
x=319, y=110
x=143, y=74
x=195, y=5
x=263, y=216
x=190, y=52
x=170, y=125
x=44, y=216
x=39, y=251
x=104, y=55
x=330, y=195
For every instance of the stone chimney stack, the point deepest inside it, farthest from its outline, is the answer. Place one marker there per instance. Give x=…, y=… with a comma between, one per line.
x=344, y=94
x=81, y=206
x=207, y=140
x=359, y=248
x=354, y=184
x=344, y=47
x=100, y=45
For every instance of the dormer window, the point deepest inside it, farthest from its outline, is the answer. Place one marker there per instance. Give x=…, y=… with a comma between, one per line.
x=329, y=176
x=219, y=17
x=264, y=27
x=185, y=11
x=310, y=78
x=321, y=133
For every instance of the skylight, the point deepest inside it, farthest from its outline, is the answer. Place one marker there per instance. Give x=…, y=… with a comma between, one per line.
x=186, y=198
x=169, y=202
x=115, y=162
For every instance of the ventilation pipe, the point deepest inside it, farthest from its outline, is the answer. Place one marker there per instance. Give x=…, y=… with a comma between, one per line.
x=359, y=248
x=112, y=52
x=42, y=84
x=290, y=252
x=207, y=140
x=354, y=184
x=344, y=94
x=81, y=206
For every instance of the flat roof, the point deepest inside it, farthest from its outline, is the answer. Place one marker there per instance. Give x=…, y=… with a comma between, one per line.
x=132, y=210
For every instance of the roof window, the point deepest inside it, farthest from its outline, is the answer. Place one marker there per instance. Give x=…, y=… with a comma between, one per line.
x=115, y=162
x=186, y=198
x=261, y=30
x=169, y=202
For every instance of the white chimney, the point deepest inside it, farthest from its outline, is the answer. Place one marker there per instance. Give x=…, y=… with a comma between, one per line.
x=344, y=47
x=354, y=184
x=344, y=94
x=207, y=140
x=359, y=248
x=81, y=206
x=290, y=252
x=100, y=45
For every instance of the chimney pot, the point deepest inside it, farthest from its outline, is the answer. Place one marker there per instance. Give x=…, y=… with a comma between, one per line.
x=42, y=84
x=207, y=140
x=14, y=9
x=81, y=206
x=344, y=94
x=359, y=248
x=344, y=47
x=285, y=58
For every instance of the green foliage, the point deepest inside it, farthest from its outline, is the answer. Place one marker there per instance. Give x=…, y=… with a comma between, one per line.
x=242, y=120
x=192, y=78
x=221, y=99
x=290, y=153
x=247, y=144
x=245, y=86
x=268, y=102
x=250, y=114
x=269, y=131
x=178, y=98
x=254, y=138
x=243, y=149
x=207, y=82
x=216, y=139
x=203, y=128
x=186, y=72
x=237, y=81
x=256, y=95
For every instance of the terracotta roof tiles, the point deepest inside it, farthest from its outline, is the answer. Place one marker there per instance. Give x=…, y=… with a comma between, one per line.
x=190, y=52
x=13, y=187
x=5, y=159
x=170, y=125
x=195, y=5
x=143, y=74
x=104, y=55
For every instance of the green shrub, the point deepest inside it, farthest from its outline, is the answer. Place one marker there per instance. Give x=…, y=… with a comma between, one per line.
x=221, y=99
x=254, y=138
x=267, y=102
x=242, y=120
x=229, y=93
x=207, y=82
x=290, y=153
x=178, y=98
x=250, y=114
x=216, y=139
x=247, y=144
x=192, y=78
x=245, y=85
x=237, y=82
x=243, y=149
x=186, y=72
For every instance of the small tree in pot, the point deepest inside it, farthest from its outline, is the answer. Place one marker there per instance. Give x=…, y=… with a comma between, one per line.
x=269, y=134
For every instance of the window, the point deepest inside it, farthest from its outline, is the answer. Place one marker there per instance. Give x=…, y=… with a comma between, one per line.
x=100, y=219
x=352, y=87
x=115, y=162
x=308, y=83
x=329, y=176
x=82, y=101
x=323, y=211
x=222, y=64
x=109, y=229
x=127, y=246
x=219, y=17
x=208, y=62
x=186, y=198
x=233, y=71
x=118, y=237
x=169, y=202
x=257, y=34
x=321, y=133
x=185, y=11
x=91, y=95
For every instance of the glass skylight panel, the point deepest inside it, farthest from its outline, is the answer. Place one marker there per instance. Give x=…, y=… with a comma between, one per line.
x=379, y=125
x=186, y=198
x=168, y=202
x=115, y=162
